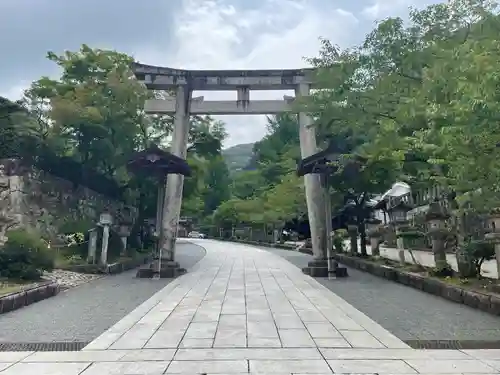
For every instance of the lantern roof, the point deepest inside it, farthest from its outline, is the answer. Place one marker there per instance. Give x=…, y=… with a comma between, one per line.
x=325, y=162
x=157, y=162
x=373, y=220
x=436, y=211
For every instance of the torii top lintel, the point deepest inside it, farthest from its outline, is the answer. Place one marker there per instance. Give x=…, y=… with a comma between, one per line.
x=164, y=78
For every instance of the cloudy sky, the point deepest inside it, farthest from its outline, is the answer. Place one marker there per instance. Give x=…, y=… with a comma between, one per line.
x=189, y=34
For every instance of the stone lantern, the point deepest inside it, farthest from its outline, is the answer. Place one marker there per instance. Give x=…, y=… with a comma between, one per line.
x=105, y=221
x=495, y=220
x=374, y=232
x=162, y=165
x=352, y=230
x=435, y=218
x=494, y=235
x=125, y=227
x=398, y=216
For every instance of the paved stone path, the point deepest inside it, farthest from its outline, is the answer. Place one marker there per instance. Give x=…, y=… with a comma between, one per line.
x=84, y=312
x=408, y=313
x=245, y=310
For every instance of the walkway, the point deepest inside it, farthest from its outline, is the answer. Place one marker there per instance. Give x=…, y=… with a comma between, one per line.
x=244, y=310
x=83, y=313
x=408, y=313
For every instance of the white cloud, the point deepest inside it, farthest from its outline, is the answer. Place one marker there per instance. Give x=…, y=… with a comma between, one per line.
x=380, y=9
x=15, y=92
x=278, y=34
x=265, y=34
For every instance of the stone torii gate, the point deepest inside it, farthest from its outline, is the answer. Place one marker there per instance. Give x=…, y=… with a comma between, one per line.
x=181, y=83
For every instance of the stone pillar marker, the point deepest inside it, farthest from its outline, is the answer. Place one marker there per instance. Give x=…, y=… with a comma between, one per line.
x=92, y=249
x=105, y=221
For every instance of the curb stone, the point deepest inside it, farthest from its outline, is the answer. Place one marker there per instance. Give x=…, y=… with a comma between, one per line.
x=110, y=269
x=17, y=300
x=480, y=301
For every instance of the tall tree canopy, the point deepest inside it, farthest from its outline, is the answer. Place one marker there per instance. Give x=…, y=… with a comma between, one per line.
x=417, y=101
x=93, y=113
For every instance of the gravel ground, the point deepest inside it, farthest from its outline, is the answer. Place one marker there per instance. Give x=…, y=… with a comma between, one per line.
x=406, y=312
x=84, y=312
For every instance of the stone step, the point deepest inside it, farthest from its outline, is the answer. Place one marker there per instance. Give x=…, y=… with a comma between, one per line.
x=169, y=270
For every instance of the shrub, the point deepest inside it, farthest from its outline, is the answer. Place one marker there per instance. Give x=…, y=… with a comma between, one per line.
x=480, y=250
x=339, y=237
x=69, y=229
x=25, y=256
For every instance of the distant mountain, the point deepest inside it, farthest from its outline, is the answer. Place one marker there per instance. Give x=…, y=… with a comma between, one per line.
x=237, y=157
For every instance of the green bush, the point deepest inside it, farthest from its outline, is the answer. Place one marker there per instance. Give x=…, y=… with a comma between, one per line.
x=24, y=256
x=72, y=227
x=338, y=240
x=480, y=250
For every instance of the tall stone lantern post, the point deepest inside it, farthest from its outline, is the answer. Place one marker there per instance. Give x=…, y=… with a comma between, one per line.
x=398, y=216
x=352, y=230
x=125, y=228
x=105, y=221
x=436, y=217
x=158, y=163
x=374, y=232
x=494, y=235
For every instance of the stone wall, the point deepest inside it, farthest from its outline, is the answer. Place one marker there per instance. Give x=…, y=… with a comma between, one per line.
x=33, y=199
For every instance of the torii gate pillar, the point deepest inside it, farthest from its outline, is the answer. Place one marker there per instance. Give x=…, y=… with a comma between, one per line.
x=315, y=192
x=175, y=182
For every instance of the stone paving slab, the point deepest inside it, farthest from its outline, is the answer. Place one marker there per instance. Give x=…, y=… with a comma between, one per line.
x=243, y=310
x=262, y=361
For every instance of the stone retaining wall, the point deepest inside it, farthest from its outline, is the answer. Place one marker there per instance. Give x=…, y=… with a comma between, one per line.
x=30, y=198
x=16, y=300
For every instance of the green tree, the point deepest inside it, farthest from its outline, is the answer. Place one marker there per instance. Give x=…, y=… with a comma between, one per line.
x=247, y=184
x=18, y=133
x=217, y=184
